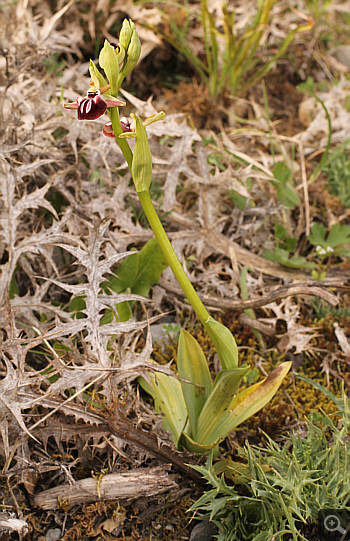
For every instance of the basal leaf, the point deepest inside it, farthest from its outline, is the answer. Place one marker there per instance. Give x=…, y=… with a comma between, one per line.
x=193, y=367
x=287, y=195
x=219, y=418
x=168, y=400
x=224, y=390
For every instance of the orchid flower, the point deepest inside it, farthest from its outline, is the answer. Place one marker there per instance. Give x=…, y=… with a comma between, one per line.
x=125, y=123
x=94, y=104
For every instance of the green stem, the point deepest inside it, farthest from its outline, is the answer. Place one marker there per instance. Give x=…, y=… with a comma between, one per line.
x=117, y=128
x=171, y=257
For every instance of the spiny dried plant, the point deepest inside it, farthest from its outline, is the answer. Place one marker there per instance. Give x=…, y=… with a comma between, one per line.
x=36, y=323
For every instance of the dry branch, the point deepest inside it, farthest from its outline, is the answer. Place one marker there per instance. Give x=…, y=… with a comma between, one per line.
x=115, y=486
x=280, y=293
x=268, y=330
x=122, y=427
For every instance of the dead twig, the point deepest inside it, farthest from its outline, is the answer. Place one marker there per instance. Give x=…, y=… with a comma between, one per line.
x=117, y=424
x=280, y=293
x=140, y=483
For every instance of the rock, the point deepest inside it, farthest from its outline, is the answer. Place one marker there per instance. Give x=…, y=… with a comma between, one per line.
x=53, y=534
x=204, y=531
x=342, y=54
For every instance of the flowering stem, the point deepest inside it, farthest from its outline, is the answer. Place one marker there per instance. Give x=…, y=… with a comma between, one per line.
x=117, y=128
x=171, y=257
x=158, y=230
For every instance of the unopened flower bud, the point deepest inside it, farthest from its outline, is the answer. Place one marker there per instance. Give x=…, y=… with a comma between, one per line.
x=126, y=32
x=132, y=54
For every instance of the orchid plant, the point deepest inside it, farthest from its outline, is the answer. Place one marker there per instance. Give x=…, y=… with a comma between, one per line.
x=198, y=412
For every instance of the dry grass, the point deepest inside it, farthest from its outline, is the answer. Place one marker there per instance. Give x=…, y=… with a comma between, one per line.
x=68, y=215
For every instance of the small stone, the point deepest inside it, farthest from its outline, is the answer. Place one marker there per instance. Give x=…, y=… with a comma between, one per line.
x=53, y=535
x=204, y=531
x=342, y=54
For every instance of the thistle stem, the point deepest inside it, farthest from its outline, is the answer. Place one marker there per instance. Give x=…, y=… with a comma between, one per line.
x=171, y=257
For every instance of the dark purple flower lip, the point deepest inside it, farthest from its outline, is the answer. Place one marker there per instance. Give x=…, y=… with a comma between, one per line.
x=91, y=107
x=94, y=105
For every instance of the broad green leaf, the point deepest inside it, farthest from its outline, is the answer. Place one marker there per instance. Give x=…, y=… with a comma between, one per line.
x=216, y=424
x=124, y=311
x=281, y=172
x=300, y=262
x=192, y=366
x=13, y=287
x=287, y=195
x=295, y=262
x=78, y=304
x=139, y=271
x=269, y=255
x=219, y=401
x=343, y=251
x=166, y=392
x=290, y=244
x=280, y=231
x=318, y=235
x=224, y=343
x=339, y=234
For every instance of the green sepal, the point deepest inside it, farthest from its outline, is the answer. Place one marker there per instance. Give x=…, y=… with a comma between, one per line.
x=141, y=169
x=126, y=32
x=193, y=367
x=132, y=54
x=97, y=77
x=224, y=343
x=109, y=62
